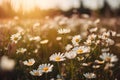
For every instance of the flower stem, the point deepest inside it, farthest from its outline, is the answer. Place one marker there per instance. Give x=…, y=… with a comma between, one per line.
x=46, y=76
x=72, y=67
x=58, y=68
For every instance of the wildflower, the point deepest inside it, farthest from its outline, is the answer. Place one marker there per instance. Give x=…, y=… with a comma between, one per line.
x=96, y=66
x=64, y=31
x=76, y=39
x=80, y=58
x=85, y=64
x=58, y=38
x=44, y=41
x=108, y=65
x=57, y=57
x=88, y=42
x=36, y=38
x=90, y=75
x=105, y=35
x=82, y=49
x=109, y=57
x=93, y=30
x=15, y=37
x=99, y=62
x=36, y=72
x=92, y=37
x=6, y=63
x=113, y=33
x=68, y=47
x=109, y=42
x=71, y=54
x=21, y=50
x=45, y=68
x=105, y=49
x=30, y=62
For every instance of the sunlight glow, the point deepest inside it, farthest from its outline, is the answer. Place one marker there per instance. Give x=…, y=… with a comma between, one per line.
x=28, y=5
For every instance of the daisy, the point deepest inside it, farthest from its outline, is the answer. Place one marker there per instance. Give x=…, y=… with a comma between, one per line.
x=15, y=37
x=92, y=37
x=36, y=73
x=68, y=47
x=109, y=57
x=30, y=62
x=21, y=50
x=96, y=66
x=93, y=29
x=88, y=42
x=58, y=38
x=105, y=49
x=63, y=31
x=99, y=62
x=108, y=65
x=45, y=68
x=71, y=54
x=44, y=41
x=82, y=49
x=36, y=38
x=89, y=75
x=7, y=63
x=105, y=35
x=76, y=39
x=57, y=57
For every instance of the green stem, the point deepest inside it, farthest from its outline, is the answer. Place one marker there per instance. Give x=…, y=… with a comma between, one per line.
x=72, y=67
x=58, y=68
x=46, y=76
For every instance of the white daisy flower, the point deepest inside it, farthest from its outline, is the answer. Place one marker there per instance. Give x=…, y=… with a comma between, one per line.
x=88, y=42
x=92, y=37
x=105, y=49
x=71, y=54
x=6, y=63
x=63, y=31
x=89, y=75
x=57, y=57
x=36, y=72
x=99, y=62
x=58, y=38
x=82, y=49
x=108, y=65
x=45, y=68
x=113, y=33
x=15, y=37
x=44, y=41
x=109, y=41
x=76, y=39
x=36, y=38
x=96, y=66
x=68, y=47
x=109, y=57
x=21, y=50
x=30, y=62
x=93, y=29
x=105, y=35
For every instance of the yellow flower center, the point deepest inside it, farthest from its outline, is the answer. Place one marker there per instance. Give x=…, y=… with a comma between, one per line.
x=57, y=58
x=36, y=73
x=15, y=38
x=108, y=59
x=79, y=51
x=30, y=63
x=45, y=69
x=77, y=40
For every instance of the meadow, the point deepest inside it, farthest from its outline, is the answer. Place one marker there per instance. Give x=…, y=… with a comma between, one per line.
x=59, y=48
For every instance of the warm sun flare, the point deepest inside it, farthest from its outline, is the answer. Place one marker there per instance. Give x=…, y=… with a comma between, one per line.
x=25, y=5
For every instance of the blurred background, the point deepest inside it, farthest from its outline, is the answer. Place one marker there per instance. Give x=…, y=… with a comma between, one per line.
x=42, y=8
